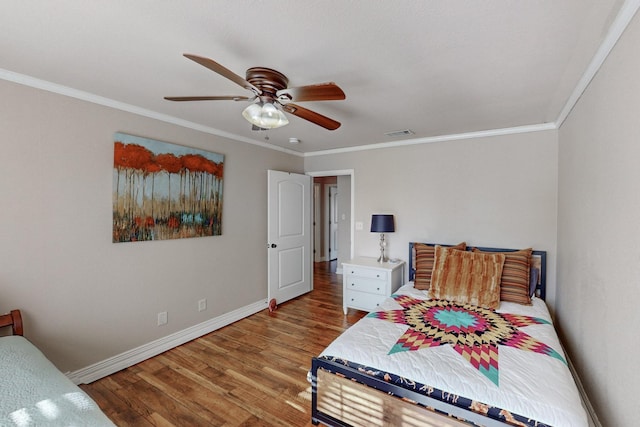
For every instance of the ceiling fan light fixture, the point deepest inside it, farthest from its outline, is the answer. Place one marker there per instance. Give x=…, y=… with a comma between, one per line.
x=265, y=116
x=252, y=114
x=272, y=117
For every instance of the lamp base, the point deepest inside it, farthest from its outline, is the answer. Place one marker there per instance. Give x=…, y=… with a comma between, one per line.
x=382, y=257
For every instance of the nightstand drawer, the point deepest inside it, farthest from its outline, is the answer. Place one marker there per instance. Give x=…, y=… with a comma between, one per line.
x=364, y=301
x=364, y=284
x=366, y=272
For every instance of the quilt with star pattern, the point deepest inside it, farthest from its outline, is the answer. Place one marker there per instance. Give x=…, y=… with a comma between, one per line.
x=508, y=362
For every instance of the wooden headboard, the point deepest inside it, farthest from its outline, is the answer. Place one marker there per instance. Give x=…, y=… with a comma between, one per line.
x=539, y=260
x=13, y=319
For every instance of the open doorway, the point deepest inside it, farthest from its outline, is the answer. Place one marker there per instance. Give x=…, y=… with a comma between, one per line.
x=332, y=217
x=325, y=219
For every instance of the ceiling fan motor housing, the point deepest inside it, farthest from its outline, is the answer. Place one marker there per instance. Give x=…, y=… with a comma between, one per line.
x=268, y=81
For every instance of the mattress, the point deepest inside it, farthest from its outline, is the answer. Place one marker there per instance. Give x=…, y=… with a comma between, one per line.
x=36, y=393
x=510, y=358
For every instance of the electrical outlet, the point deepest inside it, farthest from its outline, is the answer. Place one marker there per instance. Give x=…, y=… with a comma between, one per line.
x=202, y=304
x=162, y=318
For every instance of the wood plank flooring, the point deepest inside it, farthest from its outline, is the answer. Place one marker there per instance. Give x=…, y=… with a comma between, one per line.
x=250, y=373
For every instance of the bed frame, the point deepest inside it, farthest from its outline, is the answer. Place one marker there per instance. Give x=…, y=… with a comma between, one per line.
x=14, y=320
x=343, y=396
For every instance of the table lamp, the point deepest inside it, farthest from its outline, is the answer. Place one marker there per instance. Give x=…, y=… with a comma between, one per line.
x=382, y=223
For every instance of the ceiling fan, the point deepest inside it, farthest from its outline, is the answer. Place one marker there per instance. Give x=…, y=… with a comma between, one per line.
x=270, y=96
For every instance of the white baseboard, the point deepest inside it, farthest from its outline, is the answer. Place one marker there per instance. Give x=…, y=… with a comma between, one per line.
x=131, y=357
x=591, y=413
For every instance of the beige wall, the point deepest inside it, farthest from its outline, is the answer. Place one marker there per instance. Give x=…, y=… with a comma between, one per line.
x=494, y=191
x=84, y=298
x=599, y=234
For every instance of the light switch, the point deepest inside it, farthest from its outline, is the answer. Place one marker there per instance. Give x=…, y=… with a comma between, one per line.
x=359, y=225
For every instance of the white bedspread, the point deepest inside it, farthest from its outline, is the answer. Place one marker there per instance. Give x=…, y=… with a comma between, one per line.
x=530, y=384
x=34, y=393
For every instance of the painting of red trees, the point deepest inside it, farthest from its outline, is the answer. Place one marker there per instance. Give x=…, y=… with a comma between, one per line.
x=164, y=191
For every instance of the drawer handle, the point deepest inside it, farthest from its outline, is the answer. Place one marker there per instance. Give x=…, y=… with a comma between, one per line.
x=377, y=289
x=377, y=275
x=353, y=284
x=352, y=299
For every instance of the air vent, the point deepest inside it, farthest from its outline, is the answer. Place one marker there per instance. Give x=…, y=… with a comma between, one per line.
x=399, y=133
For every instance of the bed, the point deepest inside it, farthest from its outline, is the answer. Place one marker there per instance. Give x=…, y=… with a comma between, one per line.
x=34, y=391
x=444, y=352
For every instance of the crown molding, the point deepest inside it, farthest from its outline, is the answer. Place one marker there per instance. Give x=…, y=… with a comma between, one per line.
x=624, y=17
x=107, y=102
x=441, y=138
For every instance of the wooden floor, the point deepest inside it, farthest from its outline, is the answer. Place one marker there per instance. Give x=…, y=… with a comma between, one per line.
x=250, y=373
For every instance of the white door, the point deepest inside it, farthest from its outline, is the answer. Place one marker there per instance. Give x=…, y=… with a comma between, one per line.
x=333, y=222
x=289, y=235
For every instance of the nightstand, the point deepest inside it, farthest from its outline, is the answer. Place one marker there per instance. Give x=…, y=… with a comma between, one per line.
x=366, y=282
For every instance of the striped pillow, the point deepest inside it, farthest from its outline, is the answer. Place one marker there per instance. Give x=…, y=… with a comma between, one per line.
x=515, y=285
x=424, y=257
x=467, y=277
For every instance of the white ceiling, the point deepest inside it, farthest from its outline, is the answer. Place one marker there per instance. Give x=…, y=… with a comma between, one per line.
x=438, y=68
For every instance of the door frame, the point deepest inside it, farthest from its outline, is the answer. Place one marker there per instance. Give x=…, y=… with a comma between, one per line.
x=318, y=254
x=330, y=203
x=340, y=172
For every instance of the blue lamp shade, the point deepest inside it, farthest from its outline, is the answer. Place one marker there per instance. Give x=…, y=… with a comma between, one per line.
x=382, y=223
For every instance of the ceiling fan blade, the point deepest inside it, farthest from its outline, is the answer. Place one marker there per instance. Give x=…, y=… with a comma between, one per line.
x=223, y=71
x=311, y=116
x=207, y=98
x=319, y=92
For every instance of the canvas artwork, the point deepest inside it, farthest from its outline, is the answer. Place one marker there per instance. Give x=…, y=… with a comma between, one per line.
x=165, y=191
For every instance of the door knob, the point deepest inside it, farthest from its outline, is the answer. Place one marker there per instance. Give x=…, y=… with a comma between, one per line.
x=273, y=245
